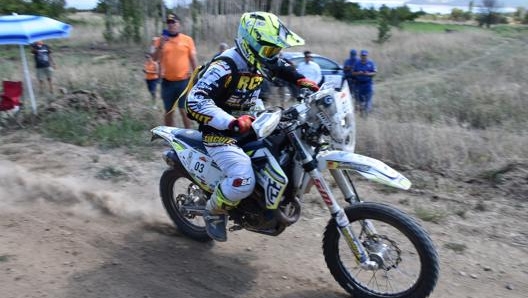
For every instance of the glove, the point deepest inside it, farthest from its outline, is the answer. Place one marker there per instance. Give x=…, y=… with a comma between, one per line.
x=306, y=83
x=242, y=124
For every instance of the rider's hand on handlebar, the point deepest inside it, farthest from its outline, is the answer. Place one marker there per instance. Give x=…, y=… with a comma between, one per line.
x=242, y=124
x=307, y=83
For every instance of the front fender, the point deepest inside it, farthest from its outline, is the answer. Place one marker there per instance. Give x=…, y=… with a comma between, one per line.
x=368, y=167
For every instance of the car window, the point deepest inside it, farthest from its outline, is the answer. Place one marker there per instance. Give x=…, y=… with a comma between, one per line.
x=326, y=64
x=297, y=60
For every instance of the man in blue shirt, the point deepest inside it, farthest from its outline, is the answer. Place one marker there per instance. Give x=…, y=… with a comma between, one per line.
x=348, y=68
x=364, y=70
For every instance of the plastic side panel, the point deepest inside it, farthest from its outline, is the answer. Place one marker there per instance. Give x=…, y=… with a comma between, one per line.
x=201, y=168
x=368, y=167
x=272, y=178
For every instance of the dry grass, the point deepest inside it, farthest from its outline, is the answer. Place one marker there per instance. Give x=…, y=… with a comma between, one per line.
x=88, y=28
x=444, y=101
x=439, y=147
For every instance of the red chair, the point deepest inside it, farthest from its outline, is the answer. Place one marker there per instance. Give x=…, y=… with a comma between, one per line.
x=10, y=99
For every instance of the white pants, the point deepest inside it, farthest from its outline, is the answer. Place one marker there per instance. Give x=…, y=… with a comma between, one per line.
x=236, y=165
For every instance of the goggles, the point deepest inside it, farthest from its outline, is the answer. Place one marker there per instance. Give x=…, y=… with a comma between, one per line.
x=269, y=51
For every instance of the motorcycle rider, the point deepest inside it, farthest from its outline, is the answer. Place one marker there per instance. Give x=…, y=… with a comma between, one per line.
x=221, y=101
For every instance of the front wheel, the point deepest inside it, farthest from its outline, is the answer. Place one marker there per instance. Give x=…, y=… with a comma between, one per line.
x=406, y=257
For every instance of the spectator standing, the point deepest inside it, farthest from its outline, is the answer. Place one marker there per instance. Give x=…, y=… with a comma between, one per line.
x=364, y=70
x=44, y=64
x=151, y=70
x=348, y=68
x=177, y=56
x=221, y=48
x=310, y=69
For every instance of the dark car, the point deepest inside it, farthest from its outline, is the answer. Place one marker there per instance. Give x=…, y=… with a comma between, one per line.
x=331, y=70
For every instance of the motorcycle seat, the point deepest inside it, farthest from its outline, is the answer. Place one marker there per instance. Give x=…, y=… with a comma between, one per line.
x=194, y=138
x=191, y=137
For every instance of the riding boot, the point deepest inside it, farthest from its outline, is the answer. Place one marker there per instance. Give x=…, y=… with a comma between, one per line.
x=215, y=215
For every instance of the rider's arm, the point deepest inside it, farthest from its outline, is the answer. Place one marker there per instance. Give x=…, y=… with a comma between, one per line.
x=290, y=74
x=200, y=104
x=286, y=72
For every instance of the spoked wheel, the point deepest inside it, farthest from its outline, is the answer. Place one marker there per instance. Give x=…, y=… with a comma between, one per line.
x=406, y=258
x=184, y=202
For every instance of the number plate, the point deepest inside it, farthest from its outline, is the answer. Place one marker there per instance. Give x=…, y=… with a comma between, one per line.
x=200, y=165
x=334, y=79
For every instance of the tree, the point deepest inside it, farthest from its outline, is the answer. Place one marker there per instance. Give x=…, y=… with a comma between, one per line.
x=520, y=14
x=134, y=13
x=49, y=8
x=336, y=9
x=457, y=14
x=488, y=14
x=130, y=11
x=383, y=30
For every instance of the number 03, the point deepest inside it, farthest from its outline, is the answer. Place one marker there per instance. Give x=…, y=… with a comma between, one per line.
x=199, y=167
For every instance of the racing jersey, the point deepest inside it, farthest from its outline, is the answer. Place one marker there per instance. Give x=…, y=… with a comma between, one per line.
x=224, y=93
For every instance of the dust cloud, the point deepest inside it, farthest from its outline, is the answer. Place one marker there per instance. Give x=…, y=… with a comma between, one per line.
x=20, y=187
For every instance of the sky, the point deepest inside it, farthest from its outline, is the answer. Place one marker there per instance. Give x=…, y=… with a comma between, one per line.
x=81, y=4
x=89, y=4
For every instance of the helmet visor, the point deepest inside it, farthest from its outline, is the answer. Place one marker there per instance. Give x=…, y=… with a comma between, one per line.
x=269, y=51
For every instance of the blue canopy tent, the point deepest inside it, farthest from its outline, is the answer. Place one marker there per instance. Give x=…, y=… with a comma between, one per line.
x=27, y=29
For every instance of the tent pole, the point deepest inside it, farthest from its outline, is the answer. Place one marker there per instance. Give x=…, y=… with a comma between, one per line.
x=28, y=80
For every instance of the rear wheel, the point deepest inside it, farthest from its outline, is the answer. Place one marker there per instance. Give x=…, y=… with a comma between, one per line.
x=184, y=202
x=406, y=257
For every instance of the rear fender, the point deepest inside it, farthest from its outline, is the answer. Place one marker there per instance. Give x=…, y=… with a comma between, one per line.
x=166, y=133
x=368, y=167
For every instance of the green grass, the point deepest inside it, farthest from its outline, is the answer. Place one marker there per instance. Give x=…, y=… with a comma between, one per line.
x=432, y=27
x=69, y=127
x=431, y=215
x=510, y=31
x=127, y=132
x=79, y=128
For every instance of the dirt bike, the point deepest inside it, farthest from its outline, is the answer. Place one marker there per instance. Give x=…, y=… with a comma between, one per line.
x=371, y=249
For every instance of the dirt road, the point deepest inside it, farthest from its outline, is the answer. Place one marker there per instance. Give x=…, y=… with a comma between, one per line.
x=79, y=222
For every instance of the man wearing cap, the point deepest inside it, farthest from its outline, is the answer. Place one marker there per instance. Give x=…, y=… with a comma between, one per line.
x=348, y=67
x=364, y=70
x=177, y=56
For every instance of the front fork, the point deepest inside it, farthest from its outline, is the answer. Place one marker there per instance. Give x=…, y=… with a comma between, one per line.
x=343, y=224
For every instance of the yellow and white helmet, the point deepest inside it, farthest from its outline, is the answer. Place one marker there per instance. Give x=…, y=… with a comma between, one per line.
x=261, y=36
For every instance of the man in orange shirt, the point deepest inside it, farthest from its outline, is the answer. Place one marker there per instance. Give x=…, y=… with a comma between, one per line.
x=151, y=70
x=177, y=56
